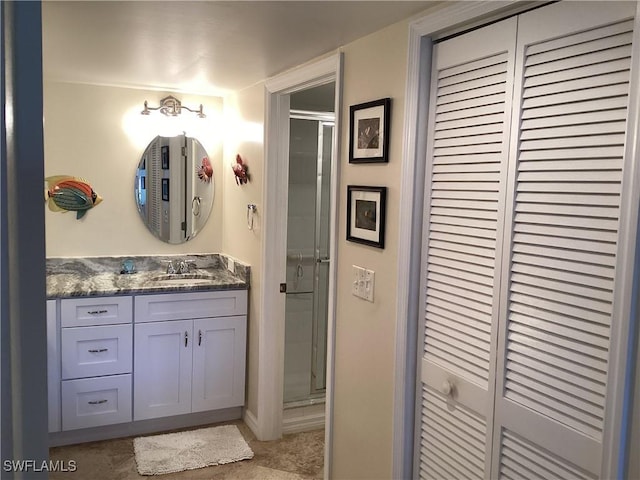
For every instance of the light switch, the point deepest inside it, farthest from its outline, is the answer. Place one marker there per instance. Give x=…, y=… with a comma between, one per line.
x=363, y=283
x=369, y=282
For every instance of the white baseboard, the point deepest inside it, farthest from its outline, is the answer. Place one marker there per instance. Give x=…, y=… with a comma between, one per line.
x=251, y=421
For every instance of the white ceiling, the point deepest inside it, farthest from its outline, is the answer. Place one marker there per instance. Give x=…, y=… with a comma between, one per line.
x=207, y=47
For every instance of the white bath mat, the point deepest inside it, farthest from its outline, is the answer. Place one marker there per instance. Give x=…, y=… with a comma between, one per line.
x=176, y=452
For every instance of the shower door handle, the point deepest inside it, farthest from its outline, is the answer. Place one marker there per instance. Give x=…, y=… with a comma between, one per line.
x=323, y=260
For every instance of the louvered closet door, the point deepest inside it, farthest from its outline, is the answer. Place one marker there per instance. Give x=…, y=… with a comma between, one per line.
x=468, y=147
x=561, y=234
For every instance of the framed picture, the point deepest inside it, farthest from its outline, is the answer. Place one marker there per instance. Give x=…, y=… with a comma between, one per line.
x=369, y=132
x=366, y=210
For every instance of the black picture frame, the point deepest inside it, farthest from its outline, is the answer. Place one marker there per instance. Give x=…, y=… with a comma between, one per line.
x=369, y=131
x=366, y=214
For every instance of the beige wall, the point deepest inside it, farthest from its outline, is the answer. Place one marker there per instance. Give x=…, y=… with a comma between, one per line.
x=374, y=67
x=244, y=117
x=97, y=133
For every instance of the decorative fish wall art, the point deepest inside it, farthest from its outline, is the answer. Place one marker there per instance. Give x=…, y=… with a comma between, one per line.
x=65, y=193
x=240, y=170
x=205, y=170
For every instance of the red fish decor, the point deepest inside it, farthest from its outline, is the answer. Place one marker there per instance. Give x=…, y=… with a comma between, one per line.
x=205, y=171
x=240, y=170
x=70, y=194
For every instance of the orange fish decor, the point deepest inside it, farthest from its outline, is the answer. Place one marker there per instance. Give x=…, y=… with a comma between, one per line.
x=70, y=194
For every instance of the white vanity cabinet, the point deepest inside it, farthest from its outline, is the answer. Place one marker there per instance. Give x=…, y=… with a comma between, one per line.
x=96, y=361
x=189, y=352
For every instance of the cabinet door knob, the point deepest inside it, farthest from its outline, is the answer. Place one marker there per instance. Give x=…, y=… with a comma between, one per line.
x=199, y=337
x=448, y=388
x=186, y=338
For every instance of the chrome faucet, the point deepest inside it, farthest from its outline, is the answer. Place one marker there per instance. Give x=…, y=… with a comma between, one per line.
x=180, y=267
x=185, y=266
x=171, y=267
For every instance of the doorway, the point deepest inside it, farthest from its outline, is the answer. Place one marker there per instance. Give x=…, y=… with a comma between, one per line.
x=311, y=124
x=269, y=422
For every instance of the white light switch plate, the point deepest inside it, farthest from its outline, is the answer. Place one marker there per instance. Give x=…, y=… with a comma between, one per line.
x=231, y=265
x=362, y=283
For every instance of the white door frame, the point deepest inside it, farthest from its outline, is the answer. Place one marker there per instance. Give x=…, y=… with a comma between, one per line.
x=450, y=19
x=275, y=198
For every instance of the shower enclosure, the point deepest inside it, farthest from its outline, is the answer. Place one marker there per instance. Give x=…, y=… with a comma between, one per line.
x=308, y=233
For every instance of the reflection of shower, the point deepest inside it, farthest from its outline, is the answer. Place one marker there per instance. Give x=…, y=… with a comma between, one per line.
x=308, y=235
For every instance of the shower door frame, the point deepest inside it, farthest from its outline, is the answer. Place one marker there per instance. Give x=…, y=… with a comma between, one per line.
x=324, y=119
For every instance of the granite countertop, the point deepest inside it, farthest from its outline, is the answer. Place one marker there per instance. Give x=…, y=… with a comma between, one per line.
x=83, y=277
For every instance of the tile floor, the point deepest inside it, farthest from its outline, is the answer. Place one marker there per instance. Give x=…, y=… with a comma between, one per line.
x=294, y=457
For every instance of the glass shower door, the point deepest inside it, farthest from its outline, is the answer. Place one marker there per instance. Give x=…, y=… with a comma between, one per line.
x=308, y=235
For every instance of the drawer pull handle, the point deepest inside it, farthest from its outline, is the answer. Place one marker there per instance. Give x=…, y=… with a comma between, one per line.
x=97, y=312
x=199, y=337
x=186, y=338
x=97, y=402
x=98, y=350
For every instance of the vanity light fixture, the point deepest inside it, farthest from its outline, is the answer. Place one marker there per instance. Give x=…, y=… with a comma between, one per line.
x=171, y=106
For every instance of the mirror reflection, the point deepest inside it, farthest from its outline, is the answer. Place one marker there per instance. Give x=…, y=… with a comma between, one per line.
x=174, y=188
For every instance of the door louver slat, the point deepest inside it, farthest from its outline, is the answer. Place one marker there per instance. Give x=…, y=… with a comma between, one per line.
x=580, y=44
x=576, y=73
x=552, y=317
x=473, y=70
x=578, y=38
x=559, y=370
x=576, y=390
x=614, y=78
x=455, y=318
x=568, y=63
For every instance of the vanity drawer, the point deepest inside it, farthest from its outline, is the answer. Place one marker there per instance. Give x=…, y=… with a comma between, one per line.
x=94, y=402
x=80, y=312
x=184, y=306
x=95, y=351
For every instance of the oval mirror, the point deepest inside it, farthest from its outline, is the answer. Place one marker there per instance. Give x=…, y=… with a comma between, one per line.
x=174, y=188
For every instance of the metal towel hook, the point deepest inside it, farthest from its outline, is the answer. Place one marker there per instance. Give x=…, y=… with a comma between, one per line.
x=251, y=211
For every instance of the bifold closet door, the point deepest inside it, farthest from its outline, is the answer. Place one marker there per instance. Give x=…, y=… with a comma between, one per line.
x=561, y=237
x=468, y=145
x=526, y=157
